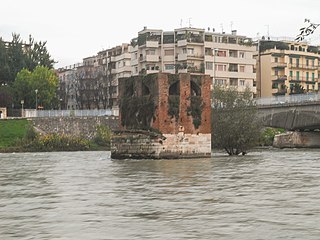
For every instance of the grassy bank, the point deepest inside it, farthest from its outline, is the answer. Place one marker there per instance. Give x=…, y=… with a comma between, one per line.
x=11, y=130
x=18, y=136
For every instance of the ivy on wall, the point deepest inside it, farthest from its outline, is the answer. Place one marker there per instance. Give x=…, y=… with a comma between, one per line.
x=137, y=112
x=195, y=110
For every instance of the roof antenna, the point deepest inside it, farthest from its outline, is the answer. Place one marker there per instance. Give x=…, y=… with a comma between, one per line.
x=189, y=22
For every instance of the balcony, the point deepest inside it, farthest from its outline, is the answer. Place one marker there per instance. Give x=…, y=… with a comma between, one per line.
x=152, y=44
x=279, y=92
x=278, y=65
x=152, y=71
x=309, y=80
x=279, y=78
x=302, y=66
x=152, y=58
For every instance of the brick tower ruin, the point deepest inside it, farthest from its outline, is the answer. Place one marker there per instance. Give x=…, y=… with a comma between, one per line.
x=164, y=116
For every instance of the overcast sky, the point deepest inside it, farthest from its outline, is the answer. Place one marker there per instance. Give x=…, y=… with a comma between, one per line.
x=77, y=29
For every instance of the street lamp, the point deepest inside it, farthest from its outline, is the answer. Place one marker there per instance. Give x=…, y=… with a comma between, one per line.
x=36, y=99
x=22, y=102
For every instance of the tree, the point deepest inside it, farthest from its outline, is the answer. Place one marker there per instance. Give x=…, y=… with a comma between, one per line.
x=37, y=55
x=234, y=120
x=16, y=59
x=16, y=55
x=4, y=64
x=297, y=89
x=44, y=80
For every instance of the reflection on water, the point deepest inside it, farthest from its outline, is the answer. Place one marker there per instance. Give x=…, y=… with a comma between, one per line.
x=270, y=194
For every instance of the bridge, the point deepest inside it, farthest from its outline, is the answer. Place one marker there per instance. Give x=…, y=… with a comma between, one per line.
x=294, y=112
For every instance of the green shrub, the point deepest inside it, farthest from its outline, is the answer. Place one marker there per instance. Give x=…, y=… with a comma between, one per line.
x=56, y=142
x=267, y=136
x=103, y=136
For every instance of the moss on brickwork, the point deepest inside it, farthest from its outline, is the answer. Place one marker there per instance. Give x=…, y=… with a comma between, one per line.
x=137, y=112
x=195, y=110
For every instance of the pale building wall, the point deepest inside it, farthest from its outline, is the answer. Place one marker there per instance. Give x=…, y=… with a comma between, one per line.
x=3, y=113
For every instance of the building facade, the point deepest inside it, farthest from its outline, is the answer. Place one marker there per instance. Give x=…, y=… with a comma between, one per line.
x=287, y=67
x=227, y=58
x=178, y=105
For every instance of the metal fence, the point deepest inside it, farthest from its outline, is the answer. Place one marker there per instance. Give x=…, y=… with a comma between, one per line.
x=70, y=113
x=294, y=98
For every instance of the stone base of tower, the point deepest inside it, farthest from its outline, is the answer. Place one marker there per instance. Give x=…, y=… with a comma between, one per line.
x=150, y=145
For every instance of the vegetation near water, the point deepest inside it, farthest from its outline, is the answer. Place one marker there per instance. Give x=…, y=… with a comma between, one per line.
x=19, y=136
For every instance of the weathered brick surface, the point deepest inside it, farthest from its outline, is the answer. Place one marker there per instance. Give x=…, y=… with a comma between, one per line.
x=182, y=138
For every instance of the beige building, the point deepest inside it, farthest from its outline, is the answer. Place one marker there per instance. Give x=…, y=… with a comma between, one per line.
x=114, y=63
x=285, y=67
x=227, y=58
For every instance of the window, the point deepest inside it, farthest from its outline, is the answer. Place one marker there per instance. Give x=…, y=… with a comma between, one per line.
x=151, y=52
x=307, y=62
x=233, y=53
x=221, y=67
x=169, y=66
x=221, y=53
x=208, y=51
x=312, y=76
x=297, y=62
x=241, y=54
x=209, y=65
x=233, y=67
x=136, y=69
x=135, y=55
x=220, y=81
x=190, y=51
x=169, y=52
x=291, y=74
x=241, y=68
x=307, y=76
x=312, y=63
x=242, y=82
x=233, y=81
x=290, y=60
x=276, y=59
x=298, y=75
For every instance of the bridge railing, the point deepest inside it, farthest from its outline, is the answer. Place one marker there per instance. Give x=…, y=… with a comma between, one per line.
x=294, y=98
x=69, y=113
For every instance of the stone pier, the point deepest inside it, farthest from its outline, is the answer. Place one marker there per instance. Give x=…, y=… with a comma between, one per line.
x=297, y=140
x=173, y=110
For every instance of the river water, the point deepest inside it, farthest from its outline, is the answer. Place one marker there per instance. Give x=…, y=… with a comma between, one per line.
x=268, y=194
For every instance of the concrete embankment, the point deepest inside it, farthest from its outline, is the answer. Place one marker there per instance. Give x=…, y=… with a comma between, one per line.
x=76, y=126
x=297, y=140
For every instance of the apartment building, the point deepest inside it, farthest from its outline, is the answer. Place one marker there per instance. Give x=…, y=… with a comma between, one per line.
x=67, y=88
x=227, y=58
x=114, y=63
x=93, y=84
x=287, y=67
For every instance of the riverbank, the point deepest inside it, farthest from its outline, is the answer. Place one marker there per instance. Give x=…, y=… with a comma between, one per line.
x=19, y=136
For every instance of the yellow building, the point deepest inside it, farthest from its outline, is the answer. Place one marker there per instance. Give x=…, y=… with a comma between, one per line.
x=285, y=68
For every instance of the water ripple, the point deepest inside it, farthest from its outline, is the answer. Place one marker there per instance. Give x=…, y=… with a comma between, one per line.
x=270, y=194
